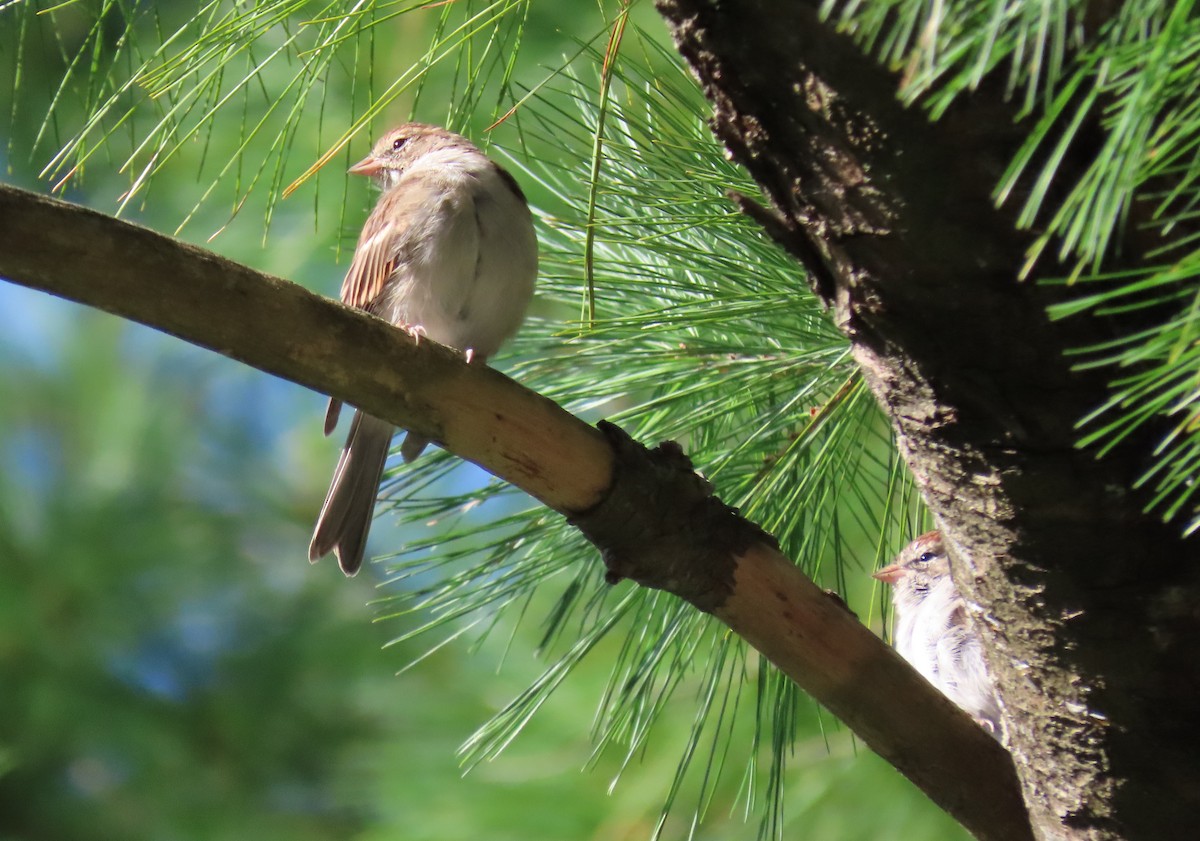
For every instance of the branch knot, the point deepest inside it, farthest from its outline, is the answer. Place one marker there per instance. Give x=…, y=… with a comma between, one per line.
x=661, y=526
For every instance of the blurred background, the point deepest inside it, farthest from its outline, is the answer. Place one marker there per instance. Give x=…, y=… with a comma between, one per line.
x=170, y=665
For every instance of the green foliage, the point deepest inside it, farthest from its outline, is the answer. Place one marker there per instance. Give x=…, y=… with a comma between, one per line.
x=703, y=333
x=157, y=673
x=659, y=307
x=1116, y=87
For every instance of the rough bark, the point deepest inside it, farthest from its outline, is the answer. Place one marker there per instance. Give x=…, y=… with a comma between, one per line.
x=1089, y=607
x=608, y=484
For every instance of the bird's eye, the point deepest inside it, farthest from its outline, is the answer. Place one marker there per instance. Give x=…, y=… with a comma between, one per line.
x=398, y=143
x=926, y=557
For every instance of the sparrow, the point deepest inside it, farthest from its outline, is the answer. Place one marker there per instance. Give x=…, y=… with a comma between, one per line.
x=933, y=632
x=449, y=252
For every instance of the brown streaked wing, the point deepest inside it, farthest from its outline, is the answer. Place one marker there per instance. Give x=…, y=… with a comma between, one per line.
x=376, y=254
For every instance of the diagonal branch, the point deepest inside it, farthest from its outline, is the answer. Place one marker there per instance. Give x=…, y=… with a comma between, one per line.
x=652, y=517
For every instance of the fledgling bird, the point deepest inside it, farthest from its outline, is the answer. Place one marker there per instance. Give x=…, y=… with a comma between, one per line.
x=933, y=632
x=449, y=252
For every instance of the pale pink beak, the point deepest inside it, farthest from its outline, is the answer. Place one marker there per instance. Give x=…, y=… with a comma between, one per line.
x=367, y=166
x=890, y=574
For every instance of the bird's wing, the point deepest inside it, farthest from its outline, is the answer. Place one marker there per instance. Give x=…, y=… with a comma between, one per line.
x=952, y=641
x=376, y=254
x=375, y=258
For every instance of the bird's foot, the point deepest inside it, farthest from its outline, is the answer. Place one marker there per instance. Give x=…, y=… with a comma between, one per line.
x=414, y=330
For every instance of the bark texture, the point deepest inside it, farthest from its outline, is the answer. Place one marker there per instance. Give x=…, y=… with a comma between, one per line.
x=1090, y=609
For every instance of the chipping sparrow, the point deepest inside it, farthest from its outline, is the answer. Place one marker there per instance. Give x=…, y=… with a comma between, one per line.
x=448, y=252
x=933, y=632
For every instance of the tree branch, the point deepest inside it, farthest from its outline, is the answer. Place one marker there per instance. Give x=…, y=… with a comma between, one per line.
x=1083, y=594
x=526, y=439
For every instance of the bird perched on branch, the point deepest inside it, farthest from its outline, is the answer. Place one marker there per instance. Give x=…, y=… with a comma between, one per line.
x=449, y=252
x=933, y=632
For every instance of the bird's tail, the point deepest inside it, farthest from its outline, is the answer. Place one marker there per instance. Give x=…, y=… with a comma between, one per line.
x=345, y=517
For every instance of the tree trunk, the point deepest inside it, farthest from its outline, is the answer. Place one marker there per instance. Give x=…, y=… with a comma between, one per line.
x=1090, y=609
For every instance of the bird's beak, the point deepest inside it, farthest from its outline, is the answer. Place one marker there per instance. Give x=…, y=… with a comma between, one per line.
x=369, y=165
x=890, y=574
